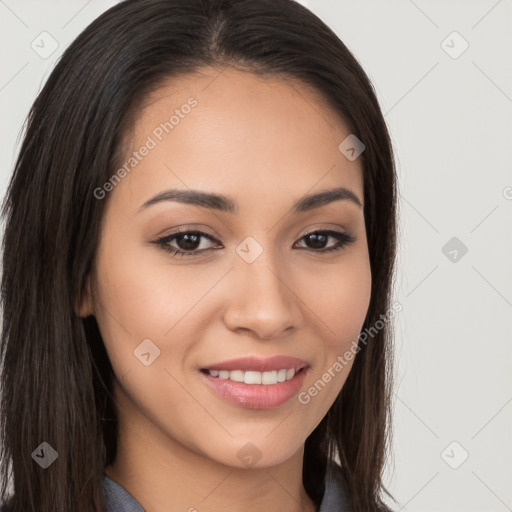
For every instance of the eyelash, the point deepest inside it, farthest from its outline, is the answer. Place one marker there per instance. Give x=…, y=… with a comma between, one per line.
x=343, y=240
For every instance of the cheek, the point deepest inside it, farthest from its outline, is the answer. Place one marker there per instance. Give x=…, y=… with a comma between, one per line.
x=348, y=316
x=339, y=296
x=340, y=303
x=141, y=297
x=353, y=300
x=141, y=292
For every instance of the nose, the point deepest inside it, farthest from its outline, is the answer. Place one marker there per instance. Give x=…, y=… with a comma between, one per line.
x=261, y=299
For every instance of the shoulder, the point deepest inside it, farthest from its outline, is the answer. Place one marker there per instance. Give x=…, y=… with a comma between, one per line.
x=118, y=499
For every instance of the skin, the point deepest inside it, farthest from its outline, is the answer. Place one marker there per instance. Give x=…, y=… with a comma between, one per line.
x=266, y=144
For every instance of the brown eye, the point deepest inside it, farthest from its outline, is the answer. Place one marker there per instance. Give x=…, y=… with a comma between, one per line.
x=317, y=240
x=187, y=242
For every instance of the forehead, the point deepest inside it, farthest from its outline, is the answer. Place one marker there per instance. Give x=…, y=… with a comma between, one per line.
x=237, y=132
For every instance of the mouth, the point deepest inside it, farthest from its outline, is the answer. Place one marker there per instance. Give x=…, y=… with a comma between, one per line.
x=255, y=383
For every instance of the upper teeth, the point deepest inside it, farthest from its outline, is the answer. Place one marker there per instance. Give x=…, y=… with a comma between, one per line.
x=252, y=377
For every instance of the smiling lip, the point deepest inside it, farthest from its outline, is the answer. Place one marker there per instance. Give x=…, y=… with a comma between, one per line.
x=257, y=396
x=259, y=365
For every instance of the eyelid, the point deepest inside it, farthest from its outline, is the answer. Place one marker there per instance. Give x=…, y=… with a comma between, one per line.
x=189, y=228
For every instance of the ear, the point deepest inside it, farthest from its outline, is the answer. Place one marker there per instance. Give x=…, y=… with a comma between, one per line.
x=86, y=306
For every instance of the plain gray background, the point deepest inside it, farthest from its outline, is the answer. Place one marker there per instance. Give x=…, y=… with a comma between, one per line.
x=448, y=110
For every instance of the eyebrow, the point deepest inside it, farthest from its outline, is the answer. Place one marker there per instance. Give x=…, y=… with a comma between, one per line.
x=226, y=204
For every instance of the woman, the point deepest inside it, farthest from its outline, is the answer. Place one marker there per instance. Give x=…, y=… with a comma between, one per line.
x=198, y=254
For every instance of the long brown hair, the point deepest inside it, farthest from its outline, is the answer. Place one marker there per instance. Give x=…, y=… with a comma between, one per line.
x=56, y=376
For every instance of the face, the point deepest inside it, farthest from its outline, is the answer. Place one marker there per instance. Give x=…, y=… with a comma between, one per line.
x=178, y=287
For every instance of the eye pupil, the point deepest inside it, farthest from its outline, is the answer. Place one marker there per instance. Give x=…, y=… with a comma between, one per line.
x=192, y=241
x=319, y=240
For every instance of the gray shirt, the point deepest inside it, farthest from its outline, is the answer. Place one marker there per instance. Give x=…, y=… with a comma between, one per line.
x=120, y=500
